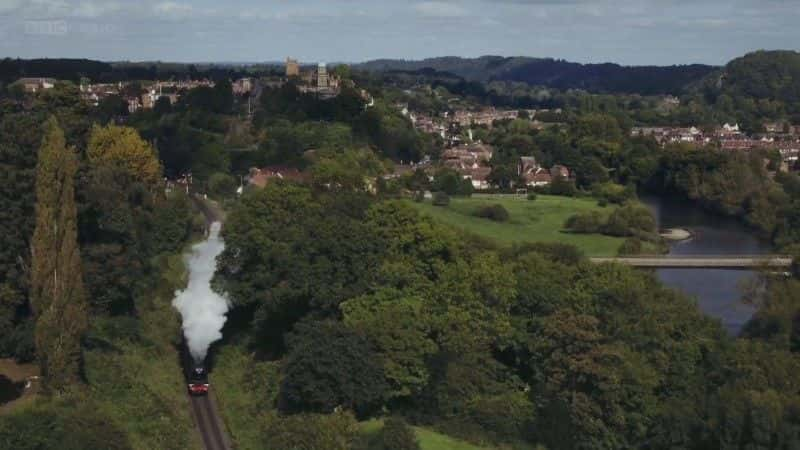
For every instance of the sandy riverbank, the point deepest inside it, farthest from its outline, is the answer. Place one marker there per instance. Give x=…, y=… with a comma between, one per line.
x=676, y=234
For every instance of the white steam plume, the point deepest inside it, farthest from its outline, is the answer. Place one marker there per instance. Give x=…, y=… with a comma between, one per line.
x=202, y=309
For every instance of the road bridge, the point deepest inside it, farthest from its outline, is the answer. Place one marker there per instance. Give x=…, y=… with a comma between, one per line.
x=702, y=261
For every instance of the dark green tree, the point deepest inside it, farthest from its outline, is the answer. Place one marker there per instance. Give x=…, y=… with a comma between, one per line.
x=57, y=294
x=330, y=366
x=64, y=426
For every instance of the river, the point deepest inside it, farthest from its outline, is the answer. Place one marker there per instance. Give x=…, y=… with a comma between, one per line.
x=719, y=292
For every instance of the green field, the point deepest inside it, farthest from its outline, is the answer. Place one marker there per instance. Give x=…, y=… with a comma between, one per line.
x=428, y=439
x=540, y=220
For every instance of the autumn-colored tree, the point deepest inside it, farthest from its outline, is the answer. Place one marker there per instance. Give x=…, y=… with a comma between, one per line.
x=57, y=295
x=123, y=148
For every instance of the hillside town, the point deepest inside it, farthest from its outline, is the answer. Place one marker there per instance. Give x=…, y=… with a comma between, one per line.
x=469, y=157
x=144, y=94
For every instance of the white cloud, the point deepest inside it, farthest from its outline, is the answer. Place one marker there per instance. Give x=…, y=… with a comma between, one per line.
x=173, y=9
x=94, y=9
x=626, y=31
x=713, y=22
x=439, y=10
x=7, y=6
x=44, y=9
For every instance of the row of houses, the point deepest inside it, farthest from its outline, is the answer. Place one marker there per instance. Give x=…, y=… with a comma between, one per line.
x=32, y=85
x=172, y=90
x=667, y=135
x=449, y=125
x=485, y=116
x=473, y=163
x=94, y=93
x=534, y=175
x=260, y=177
x=785, y=139
x=470, y=162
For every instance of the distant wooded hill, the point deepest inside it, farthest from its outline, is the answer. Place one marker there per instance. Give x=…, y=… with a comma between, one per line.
x=62, y=69
x=762, y=84
x=98, y=71
x=560, y=74
x=766, y=82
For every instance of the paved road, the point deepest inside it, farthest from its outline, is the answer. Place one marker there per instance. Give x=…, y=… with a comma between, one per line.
x=705, y=262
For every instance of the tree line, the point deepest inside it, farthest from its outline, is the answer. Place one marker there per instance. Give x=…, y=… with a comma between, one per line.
x=370, y=308
x=86, y=224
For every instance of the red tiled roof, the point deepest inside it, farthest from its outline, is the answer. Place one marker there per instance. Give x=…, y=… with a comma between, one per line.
x=260, y=177
x=479, y=173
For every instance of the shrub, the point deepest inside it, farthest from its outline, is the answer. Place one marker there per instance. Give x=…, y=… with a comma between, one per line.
x=543, y=190
x=441, y=199
x=585, y=223
x=336, y=431
x=631, y=246
x=19, y=342
x=613, y=193
x=73, y=425
x=563, y=186
x=173, y=220
x=221, y=185
x=396, y=435
x=553, y=251
x=506, y=417
x=629, y=219
x=794, y=252
x=452, y=183
x=419, y=196
x=602, y=203
x=494, y=212
x=532, y=196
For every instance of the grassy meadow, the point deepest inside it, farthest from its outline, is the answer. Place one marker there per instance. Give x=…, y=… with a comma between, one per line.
x=540, y=220
x=428, y=439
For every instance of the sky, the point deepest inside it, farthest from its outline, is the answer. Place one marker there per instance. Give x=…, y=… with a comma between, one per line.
x=630, y=32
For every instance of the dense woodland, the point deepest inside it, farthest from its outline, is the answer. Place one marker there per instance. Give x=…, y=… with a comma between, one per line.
x=350, y=306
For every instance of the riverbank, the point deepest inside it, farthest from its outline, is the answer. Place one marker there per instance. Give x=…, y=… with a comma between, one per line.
x=676, y=234
x=718, y=291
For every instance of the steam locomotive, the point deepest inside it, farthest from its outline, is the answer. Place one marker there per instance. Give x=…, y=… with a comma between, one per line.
x=196, y=372
x=197, y=380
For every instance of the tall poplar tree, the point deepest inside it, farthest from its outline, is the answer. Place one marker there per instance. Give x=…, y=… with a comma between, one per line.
x=58, y=298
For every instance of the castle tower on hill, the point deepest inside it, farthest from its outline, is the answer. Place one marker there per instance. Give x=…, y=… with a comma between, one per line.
x=322, y=76
x=292, y=68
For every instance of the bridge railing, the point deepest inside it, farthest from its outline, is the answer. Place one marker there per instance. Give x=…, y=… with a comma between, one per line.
x=702, y=256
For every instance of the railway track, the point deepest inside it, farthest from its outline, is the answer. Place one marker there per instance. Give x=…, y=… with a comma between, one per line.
x=208, y=423
x=204, y=408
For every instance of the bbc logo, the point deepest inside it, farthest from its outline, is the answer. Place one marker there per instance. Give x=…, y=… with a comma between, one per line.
x=46, y=27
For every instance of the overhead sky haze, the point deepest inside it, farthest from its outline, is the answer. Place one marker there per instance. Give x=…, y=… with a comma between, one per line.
x=628, y=32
